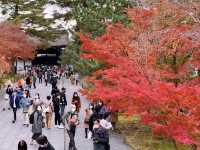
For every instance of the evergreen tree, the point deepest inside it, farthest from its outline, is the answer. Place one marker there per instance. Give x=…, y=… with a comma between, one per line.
x=91, y=17
x=32, y=18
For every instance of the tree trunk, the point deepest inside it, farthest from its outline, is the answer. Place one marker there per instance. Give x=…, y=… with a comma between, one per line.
x=175, y=145
x=194, y=147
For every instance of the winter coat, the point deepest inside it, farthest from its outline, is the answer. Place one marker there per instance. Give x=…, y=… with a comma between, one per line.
x=56, y=105
x=17, y=101
x=63, y=100
x=100, y=138
x=9, y=91
x=24, y=102
x=37, y=123
x=103, y=111
x=55, y=91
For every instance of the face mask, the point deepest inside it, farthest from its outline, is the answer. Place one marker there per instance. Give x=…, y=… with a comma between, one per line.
x=39, y=108
x=96, y=126
x=73, y=109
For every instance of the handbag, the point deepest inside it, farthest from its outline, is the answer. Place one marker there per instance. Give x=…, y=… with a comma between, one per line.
x=6, y=97
x=43, y=125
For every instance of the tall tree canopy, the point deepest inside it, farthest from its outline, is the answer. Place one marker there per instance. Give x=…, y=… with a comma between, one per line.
x=149, y=66
x=91, y=17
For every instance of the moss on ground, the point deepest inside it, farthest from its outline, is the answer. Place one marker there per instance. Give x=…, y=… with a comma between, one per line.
x=140, y=137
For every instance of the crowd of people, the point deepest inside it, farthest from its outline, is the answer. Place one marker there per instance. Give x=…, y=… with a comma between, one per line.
x=38, y=112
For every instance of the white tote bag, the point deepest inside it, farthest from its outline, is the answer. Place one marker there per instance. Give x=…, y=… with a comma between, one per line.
x=6, y=97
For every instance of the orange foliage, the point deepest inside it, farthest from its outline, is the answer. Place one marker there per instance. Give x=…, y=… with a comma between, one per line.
x=14, y=43
x=148, y=70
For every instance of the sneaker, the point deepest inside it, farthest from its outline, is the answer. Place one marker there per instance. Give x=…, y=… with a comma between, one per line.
x=61, y=127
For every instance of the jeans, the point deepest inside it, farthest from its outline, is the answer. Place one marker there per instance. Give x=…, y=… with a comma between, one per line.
x=57, y=118
x=62, y=110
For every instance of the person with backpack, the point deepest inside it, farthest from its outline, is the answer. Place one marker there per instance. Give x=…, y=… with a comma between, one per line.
x=36, y=120
x=71, y=120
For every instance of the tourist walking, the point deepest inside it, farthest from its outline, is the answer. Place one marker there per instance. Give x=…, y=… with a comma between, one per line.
x=63, y=101
x=34, y=78
x=28, y=82
x=71, y=120
x=14, y=104
x=76, y=101
x=56, y=105
x=48, y=110
x=46, y=78
x=40, y=76
x=87, y=116
x=25, y=104
x=9, y=92
x=36, y=119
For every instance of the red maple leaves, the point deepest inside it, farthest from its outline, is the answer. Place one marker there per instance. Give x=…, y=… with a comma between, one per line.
x=148, y=70
x=14, y=43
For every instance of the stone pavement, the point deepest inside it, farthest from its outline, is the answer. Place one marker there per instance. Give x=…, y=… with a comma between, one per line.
x=10, y=133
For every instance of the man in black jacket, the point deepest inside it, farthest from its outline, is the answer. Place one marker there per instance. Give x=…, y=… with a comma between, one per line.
x=14, y=104
x=63, y=101
x=56, y=105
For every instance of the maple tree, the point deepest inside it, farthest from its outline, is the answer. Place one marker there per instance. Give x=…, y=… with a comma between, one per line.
x=14, y=43
x=148, y=69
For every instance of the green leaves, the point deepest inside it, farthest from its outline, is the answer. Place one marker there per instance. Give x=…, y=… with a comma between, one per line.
x=91, y=17
x=31, y=15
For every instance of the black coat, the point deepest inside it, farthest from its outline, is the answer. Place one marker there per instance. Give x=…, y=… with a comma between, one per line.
x=63, y=100
x=9, y=91
x=100, y=138
x=49, y=147
x=17, y=101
